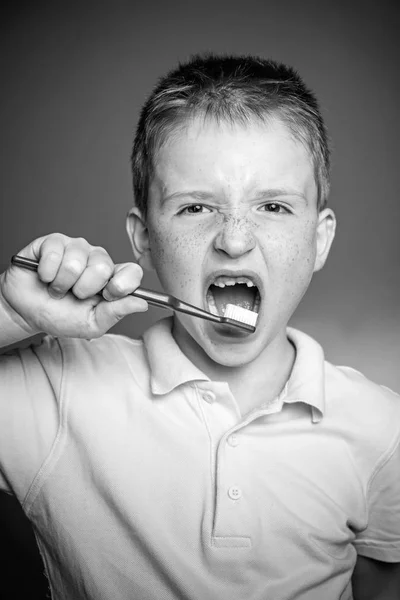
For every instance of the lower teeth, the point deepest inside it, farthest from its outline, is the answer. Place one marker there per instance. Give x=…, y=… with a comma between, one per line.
x=212, y=307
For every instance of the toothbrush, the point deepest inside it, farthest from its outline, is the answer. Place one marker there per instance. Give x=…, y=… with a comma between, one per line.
x=235, y=316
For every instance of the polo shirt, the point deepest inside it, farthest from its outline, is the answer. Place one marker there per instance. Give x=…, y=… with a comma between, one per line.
x=143, y=480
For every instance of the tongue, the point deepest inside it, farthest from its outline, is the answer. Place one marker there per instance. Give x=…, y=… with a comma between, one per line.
x=239, y=294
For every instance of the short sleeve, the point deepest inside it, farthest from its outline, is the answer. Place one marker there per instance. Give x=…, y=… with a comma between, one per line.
x=381, y=539
x=30, y=382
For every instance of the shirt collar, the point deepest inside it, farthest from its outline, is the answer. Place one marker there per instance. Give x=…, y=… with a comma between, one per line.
x=169, y=367
x=307, y=379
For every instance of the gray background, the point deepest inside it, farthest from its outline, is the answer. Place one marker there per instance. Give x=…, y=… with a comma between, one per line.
x=74, y=76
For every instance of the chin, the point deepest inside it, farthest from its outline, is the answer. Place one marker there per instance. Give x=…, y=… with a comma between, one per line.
x=233, y=357
x=229, y=347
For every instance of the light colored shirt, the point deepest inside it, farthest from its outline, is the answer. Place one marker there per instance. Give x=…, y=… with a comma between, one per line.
x=143, y=481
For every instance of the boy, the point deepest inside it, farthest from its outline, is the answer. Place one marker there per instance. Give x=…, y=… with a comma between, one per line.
x=201, y=462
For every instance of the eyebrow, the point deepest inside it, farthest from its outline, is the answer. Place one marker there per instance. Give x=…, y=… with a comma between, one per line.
x=196, y=194
x=267, y=194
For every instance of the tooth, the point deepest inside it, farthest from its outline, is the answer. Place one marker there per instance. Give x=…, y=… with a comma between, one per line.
x=224, y=280
x=211, y=304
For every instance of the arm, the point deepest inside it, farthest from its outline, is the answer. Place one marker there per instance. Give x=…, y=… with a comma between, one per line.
x=376, y=580
x=377, y=572
x=30, y=380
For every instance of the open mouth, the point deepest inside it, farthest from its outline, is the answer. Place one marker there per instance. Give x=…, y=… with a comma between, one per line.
x=241, y=291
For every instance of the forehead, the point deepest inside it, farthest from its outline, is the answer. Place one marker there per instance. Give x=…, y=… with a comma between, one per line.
x=225, y=155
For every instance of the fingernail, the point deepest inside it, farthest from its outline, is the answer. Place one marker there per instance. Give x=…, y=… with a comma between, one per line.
x=107, y=296
x=55, y=293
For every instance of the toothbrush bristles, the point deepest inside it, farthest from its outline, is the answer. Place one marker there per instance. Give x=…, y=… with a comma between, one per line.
x=243, y=315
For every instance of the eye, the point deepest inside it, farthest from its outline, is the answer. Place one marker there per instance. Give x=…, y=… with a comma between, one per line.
x=274, y=207
x=194, y=209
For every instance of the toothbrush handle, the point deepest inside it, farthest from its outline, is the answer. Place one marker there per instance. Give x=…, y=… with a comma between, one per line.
x=154, y=298
x=26, y=263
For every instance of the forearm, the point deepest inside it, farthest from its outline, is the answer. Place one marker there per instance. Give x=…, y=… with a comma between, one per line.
x=12, y=329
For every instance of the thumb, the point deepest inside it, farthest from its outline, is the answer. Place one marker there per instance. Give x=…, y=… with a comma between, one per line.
x=108, y=313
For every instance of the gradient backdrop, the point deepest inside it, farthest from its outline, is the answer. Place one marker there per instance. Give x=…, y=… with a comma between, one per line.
x=74, y=76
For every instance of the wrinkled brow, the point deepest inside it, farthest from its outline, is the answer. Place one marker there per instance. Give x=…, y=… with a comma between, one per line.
x=268, y=194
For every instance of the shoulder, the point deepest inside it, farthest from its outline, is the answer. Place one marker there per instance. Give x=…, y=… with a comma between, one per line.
x=107, y=353
x=107, y=345
x=366, y=410
x=362, y=413
x=55, y=357
x=345, y=389
x=348, y=383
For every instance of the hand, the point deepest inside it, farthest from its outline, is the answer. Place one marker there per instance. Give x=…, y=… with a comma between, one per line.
x=77, y=291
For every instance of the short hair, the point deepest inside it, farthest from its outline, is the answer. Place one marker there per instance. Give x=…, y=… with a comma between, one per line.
x=237, y=90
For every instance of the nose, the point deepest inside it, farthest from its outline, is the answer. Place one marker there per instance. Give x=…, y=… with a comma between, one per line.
x=235, y=237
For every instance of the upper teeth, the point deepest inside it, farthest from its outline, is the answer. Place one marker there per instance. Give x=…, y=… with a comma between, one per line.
x=222, y=281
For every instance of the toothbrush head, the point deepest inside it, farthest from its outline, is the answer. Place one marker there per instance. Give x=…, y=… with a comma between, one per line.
x=243, y=316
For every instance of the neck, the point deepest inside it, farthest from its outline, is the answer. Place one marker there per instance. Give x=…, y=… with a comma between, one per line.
x=252, y=383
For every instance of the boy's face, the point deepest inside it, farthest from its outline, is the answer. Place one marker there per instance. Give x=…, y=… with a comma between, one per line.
x=231, y=201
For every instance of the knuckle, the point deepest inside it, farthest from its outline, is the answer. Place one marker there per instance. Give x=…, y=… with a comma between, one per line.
x=53, y=256
x=73, y=266
x=59, y=240
x=57, y=236
x=99, y=249
x=81, y=241
x=103, y=269
x=79, y=245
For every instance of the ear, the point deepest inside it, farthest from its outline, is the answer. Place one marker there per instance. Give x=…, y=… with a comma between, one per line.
x=139, y=237
x=325, y=235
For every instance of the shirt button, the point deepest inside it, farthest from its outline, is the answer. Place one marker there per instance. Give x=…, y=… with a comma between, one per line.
x=234, y=493
x=233, y=440
x=209, y=397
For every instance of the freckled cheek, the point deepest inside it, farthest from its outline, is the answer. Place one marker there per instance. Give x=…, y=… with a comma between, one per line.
x=177, y=259
x=292, y=254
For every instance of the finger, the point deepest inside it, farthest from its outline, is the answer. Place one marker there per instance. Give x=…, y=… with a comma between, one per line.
x=73, y=264
x=109, y=313
x=125, y=280
x=50, y=254
x=99, y=269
